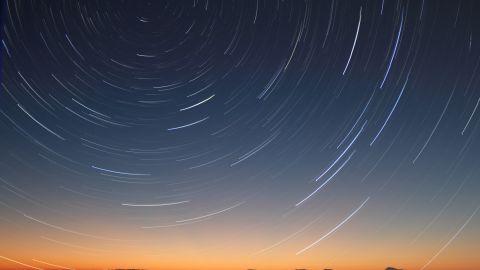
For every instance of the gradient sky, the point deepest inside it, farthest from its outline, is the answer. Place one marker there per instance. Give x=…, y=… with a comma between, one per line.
x=240, y=134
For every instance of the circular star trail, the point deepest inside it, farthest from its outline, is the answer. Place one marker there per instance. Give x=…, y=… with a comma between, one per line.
x=177, y=134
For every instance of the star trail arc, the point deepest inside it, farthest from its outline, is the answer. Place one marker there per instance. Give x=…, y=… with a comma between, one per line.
x=246, y=133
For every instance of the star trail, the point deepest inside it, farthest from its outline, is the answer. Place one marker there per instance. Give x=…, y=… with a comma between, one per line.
x=240, y=134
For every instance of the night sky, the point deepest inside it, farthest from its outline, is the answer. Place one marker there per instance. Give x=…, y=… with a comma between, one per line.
x=240, y=134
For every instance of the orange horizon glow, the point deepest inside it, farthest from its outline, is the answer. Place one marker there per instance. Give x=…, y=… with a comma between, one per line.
x=222, y=245
x=323, y=257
